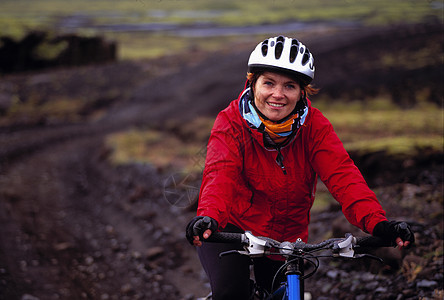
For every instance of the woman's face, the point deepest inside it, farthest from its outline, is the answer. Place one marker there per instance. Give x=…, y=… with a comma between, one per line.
x=276, y=95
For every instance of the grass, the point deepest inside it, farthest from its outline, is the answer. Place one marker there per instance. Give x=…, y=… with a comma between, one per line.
x=36, y=110
x=17, y=17
x=366, y=128
x=179, y=147
x=411, y=59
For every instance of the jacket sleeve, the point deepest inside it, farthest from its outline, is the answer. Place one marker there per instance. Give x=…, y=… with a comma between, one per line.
x=223, y=167
x=341, y=176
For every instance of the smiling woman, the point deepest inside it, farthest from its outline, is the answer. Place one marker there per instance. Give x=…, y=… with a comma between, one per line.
x=265, y=153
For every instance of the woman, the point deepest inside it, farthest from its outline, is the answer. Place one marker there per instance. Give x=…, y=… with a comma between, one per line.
x=265, y=153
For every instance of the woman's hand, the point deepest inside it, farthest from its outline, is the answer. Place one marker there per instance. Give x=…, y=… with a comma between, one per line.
x=200, y=228
x=398, y=233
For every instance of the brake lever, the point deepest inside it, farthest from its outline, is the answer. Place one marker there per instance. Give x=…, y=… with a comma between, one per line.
x=231, y=252
x=254, y=246
x=365, y=255
x=345, y=247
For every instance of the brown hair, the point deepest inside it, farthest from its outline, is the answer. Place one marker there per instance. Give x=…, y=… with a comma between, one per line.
x=308, y=89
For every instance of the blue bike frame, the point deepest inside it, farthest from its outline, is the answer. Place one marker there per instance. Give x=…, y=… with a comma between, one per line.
x=293, y=287
x=291, y=290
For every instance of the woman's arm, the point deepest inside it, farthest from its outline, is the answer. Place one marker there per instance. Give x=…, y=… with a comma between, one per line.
x=223, y=167
x=341, y=176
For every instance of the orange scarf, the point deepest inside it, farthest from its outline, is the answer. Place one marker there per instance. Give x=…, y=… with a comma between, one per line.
x=279, y=132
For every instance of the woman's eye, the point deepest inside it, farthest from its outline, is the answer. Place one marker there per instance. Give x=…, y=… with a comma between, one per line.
x=290, y=86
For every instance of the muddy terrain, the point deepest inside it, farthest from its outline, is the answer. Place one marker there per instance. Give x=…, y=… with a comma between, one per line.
x=73, y=226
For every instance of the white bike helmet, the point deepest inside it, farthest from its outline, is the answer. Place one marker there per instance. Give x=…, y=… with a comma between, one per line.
x=283, y=54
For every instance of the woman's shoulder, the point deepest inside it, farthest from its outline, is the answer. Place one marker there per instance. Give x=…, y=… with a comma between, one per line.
x=316, y=125
x=317, y=118
x=229, y=118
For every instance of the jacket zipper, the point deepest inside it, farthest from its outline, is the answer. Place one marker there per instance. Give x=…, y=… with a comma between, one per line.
x=280, y=157
x=280, y=160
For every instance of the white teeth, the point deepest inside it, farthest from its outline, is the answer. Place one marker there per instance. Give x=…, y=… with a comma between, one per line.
x=276, y=104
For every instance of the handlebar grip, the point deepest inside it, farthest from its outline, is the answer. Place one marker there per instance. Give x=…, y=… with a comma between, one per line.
x=372, y=241
x=225, y=237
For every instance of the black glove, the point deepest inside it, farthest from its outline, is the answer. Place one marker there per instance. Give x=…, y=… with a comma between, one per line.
x=390, y=230
x=198, y=225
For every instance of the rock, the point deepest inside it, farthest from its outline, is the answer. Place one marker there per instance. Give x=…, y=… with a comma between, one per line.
x=366, y=277
x=136, y=255
x=126, y=289
x=372, y=285
x=428, y=284
x=110, y=230
x=333, y=274
x=89, y=260
x=63, y=246
x=154, y=252
x=381, y=289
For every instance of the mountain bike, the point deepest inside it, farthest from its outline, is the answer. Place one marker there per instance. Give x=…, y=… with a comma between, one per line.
x=296, y=255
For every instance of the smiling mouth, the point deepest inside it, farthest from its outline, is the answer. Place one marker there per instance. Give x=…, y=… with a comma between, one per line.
x=276, y=104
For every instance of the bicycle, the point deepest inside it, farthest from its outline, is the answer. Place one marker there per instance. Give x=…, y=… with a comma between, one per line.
x=295, y=255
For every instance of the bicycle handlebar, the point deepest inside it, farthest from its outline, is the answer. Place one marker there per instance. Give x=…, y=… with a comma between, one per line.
x=372, y=242
x=260, y=246
x=226, y=237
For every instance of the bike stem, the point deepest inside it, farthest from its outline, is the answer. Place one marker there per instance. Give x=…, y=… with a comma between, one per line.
x=295, y=289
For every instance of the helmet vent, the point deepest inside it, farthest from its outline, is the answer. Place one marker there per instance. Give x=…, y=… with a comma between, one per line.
x=264, y=48
x=293, y=53
x=278, y=49
x=306, y=57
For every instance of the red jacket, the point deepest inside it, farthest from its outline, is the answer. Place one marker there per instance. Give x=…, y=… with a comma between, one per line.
x=243, y=185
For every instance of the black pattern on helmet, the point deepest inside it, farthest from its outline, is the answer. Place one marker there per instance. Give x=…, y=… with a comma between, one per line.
x=283, y=54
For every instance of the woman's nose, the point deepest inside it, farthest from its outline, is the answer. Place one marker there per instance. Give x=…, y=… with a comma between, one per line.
x=278, y=92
